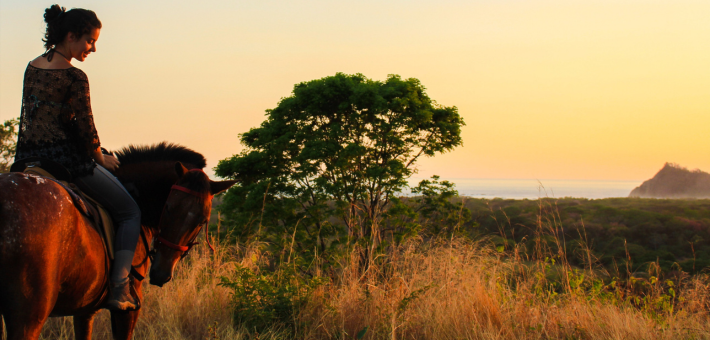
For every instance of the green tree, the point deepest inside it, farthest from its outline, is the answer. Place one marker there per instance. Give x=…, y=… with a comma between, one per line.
x=436, y=206
x=328, y=159
x=435, y=210
x=8, y=143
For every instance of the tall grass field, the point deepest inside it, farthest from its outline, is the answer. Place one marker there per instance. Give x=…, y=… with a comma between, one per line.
x=436, y=288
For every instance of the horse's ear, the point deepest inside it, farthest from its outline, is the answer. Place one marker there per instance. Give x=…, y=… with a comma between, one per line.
x=180, y=169
x=217, y=187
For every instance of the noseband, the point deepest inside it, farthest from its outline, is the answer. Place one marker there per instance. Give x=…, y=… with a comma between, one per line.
x=186, y=249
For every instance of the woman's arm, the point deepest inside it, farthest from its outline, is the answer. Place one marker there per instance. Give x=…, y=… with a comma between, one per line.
x=84, y=122
x=107, y=161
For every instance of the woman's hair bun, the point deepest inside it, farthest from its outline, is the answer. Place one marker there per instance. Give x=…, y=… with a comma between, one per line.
x=60, y=22
x=52, y=13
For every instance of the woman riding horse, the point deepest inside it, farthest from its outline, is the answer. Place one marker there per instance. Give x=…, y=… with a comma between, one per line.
x=57, y=124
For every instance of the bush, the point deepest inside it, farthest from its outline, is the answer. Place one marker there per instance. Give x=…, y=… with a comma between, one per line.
x=262, y=299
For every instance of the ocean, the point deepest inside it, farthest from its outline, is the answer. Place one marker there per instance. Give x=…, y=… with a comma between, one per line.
x=534, y=189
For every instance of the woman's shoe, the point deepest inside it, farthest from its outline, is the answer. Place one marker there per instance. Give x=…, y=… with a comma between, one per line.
x=121, y=297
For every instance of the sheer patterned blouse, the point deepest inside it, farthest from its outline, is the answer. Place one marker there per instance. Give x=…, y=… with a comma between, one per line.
x=56, y=120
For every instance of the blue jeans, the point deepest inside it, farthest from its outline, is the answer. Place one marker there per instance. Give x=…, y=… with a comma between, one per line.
x=107, y=190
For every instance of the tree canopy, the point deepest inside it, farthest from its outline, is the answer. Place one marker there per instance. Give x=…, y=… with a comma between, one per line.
x=329, y=158
x=8, y=143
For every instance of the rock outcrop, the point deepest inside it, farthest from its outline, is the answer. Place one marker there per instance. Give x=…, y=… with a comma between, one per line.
x=674, y=181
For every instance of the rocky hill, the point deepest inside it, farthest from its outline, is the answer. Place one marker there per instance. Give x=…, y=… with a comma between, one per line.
x=674, y=181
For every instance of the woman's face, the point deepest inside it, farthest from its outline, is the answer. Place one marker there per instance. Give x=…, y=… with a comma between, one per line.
x=81, y=47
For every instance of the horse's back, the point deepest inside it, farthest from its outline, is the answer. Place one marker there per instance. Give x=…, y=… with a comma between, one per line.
x=45, y=246
x=32, y=209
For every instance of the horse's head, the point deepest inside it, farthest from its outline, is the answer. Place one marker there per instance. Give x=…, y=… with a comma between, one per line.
x=186, y=212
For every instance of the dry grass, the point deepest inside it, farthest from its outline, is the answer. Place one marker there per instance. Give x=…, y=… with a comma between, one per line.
x=463, y=290
x=444, y=289
x=192, y=306
x=441, y=290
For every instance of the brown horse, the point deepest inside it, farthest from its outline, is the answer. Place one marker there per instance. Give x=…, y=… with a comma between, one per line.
x=52, y=259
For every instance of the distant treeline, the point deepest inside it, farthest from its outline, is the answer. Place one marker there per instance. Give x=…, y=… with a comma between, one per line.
x=673, y=233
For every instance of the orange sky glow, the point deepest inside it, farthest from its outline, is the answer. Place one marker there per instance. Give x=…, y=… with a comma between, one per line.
x=553, y=89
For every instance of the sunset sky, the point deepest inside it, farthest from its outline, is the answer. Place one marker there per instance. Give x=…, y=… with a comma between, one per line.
x=548, y=89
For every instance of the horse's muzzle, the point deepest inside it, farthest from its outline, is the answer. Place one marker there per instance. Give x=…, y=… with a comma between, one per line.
x=158, y=281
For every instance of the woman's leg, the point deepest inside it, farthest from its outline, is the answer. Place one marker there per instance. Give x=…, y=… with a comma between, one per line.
x=107, y=190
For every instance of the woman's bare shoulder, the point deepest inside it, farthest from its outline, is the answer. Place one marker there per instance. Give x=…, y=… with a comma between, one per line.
x=39, y=62
x=55, y=64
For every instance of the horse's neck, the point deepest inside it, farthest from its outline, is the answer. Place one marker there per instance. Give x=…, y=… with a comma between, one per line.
x=149, y=183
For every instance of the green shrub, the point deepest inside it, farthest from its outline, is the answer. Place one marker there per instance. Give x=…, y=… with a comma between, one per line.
x=262, y=299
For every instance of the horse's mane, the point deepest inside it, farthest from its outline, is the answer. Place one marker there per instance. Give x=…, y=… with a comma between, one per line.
x=162, y=151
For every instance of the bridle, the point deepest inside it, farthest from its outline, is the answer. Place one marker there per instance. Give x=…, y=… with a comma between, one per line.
x=185, y=249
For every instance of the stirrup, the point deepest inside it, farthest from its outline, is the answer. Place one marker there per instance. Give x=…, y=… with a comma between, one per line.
x=123, y=306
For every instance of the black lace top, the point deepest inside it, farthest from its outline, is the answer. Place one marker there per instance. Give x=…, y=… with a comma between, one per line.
x=56, y=120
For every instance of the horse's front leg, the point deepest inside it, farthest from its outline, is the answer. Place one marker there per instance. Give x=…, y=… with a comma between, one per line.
x=83, y=325
x=123, y=323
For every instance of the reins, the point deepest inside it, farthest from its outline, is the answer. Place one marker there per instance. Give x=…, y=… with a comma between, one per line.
x=186, y=248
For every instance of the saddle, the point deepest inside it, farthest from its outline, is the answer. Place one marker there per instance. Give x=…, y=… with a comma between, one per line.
x=88, y=206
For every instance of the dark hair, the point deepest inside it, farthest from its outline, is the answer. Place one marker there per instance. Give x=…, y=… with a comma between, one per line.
x=60, y=22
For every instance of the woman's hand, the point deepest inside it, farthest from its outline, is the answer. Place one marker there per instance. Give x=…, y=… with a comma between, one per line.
x=107, y=161
x=111, y=163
